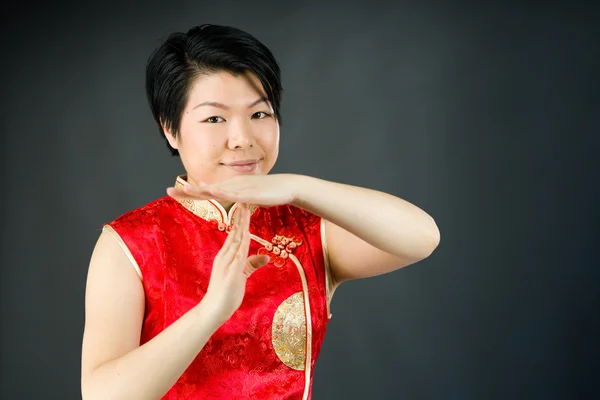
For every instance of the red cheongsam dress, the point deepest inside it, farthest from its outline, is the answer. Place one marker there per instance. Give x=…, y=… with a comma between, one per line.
x=268, y=348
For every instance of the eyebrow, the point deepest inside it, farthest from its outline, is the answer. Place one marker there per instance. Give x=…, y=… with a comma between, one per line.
x=224, y=107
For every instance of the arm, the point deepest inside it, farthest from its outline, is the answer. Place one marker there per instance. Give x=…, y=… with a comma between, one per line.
x=368, y=232
x=114, y=366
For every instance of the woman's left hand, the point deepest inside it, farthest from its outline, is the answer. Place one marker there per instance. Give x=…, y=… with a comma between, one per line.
x=260, y=190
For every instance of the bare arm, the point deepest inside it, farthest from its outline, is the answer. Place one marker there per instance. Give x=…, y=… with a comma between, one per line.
x=368, y=232
x=114, y=366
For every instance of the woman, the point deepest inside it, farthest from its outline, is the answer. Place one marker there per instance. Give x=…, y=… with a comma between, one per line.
x=221, y=289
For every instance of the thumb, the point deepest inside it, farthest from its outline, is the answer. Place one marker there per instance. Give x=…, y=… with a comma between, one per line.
x=254, y=262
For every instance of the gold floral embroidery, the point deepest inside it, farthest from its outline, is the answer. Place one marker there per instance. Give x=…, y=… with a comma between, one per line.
x=289, y=332
x=202, y=208
x=207, y=209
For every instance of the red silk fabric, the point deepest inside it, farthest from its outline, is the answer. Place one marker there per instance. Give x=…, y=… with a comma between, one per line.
x=175, y=248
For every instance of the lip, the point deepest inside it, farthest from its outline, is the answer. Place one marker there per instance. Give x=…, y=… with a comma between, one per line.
x=242, y=163
x=243, y=166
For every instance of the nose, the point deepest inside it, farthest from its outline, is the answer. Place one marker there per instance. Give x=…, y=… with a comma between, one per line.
x=241, y=136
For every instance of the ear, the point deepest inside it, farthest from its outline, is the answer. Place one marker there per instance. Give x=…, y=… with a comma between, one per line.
x=171, y=138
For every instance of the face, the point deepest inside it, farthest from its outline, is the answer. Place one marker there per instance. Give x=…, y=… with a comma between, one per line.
x=228, y=128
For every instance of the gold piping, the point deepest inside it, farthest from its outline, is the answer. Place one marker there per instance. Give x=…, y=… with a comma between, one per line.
x=124, y=247
x=329, y=285
x=307, y=369
x=259, y=239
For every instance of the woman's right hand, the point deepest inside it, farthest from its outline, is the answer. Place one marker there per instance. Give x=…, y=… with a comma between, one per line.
x=114, y=364
x=232, y=267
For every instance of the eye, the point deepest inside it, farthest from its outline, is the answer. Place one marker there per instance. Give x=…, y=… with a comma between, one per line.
x=260, y=115
x=213, y=120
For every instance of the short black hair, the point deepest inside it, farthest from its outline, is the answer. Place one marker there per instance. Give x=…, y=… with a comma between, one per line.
x=205, y=49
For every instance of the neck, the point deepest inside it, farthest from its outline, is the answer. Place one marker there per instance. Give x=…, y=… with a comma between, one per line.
x=226, y=205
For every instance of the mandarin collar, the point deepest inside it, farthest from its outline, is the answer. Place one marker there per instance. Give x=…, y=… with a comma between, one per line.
x=209, y=210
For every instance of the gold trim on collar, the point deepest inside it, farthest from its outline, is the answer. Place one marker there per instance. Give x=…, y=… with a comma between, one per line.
x=208, y=209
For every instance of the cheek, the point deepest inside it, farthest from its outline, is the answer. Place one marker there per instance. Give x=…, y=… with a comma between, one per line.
x=200, y=150
x=204, y=143
x=270, y=139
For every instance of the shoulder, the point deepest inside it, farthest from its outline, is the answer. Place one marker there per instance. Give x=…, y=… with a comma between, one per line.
x=144, y=214
x=138, y=229
x=141, y=224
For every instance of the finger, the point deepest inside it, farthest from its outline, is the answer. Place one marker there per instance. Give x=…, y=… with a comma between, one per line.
x=198, y=191
x=254, y=262
x=231, y=246
x=245, y=216
x=242, y=253
x=232, y=241
x=221, y=194
x=228, y=255
x=239, y=215
x=238, y=197
x=240, y=226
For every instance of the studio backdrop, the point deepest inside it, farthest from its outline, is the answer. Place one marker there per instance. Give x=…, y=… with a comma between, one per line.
x=485, y=116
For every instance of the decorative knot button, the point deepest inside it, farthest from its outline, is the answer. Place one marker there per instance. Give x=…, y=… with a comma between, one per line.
x=280, y=249
x=214, y=224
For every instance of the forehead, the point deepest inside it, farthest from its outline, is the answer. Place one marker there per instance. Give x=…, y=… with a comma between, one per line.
x=227, y=88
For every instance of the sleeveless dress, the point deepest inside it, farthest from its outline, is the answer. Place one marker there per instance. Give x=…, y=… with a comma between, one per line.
x=268, y=348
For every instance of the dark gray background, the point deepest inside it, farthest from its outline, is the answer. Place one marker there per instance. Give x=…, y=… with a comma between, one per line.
x=486, y=116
